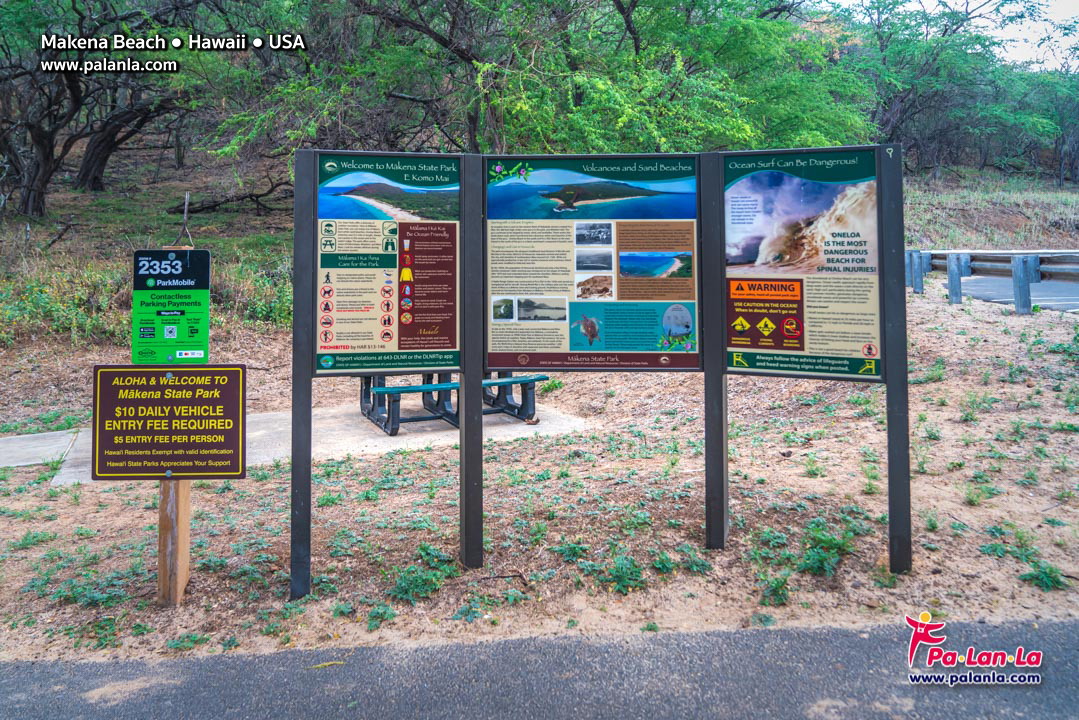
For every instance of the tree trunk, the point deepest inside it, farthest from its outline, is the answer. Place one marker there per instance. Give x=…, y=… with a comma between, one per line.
x=178, y=146
x=32, y=197
x=36, y=176
x=92, y=169
x=108, y=139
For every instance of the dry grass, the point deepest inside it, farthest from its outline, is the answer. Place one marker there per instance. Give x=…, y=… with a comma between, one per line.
x=989, y=211
x=993, y=427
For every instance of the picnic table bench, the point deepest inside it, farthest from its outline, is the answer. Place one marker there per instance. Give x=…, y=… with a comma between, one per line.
x=382, y=404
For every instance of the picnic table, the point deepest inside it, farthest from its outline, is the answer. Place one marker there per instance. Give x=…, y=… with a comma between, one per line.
x=381, y=404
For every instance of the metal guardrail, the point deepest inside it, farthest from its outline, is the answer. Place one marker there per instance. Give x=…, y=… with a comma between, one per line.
x=1024, y=268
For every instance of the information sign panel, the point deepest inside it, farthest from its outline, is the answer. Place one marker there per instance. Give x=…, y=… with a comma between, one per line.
x=592, y=262
x=387, y=288
x=803, y=263
x=178, y=423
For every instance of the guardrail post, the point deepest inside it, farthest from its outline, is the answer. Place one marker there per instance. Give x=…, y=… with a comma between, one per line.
x=927, y=262
x=1021, y=284
x=906, y=266
x=917, y=275
x=955, y=281
x=1034, y=268
x=964, y=265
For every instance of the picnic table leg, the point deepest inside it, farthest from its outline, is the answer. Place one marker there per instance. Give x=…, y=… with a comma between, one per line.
x=445, y=397
x=505, y=393
x=376, y=410
x=526, y=409
x=428, y=396
x=378, y=407
x=507, y=403
x=390, y=419
x=365, y=395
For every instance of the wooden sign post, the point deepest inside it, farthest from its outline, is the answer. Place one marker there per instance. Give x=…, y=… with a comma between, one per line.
x=173, y=542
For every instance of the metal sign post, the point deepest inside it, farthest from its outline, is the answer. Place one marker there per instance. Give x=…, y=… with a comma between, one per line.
x=713, y=321
x=303, y=369
x=890, y=172
x=470, y=396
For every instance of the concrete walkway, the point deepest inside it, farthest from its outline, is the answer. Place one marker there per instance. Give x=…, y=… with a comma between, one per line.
x=337, y=432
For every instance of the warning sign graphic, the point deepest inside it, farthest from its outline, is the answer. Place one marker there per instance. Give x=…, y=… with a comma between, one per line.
x=792, y=328
x=760, y=308
x=766, y=289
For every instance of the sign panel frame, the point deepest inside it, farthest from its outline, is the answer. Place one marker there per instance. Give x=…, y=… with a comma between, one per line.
x=698, y=366
x=234, y=438
x=156, y=275
x=882, y=264
x=318, y=369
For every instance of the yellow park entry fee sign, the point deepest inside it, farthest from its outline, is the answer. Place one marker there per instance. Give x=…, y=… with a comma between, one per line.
x=161, y=423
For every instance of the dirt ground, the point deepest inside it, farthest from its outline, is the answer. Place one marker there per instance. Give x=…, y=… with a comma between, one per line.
x=590, y=534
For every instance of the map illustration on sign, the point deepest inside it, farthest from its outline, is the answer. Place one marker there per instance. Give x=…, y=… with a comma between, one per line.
x=802, y=243
x=591, y=262
x=387, y=228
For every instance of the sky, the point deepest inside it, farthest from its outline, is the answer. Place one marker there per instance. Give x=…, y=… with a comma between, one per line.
x=1023, y=38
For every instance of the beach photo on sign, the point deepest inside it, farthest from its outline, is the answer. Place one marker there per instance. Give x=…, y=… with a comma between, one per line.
x=557, y=193
x=541, y=308
x=655, y=264
x=370, y=196
x=594, y=260
x=592, y=233
x=779, y=223
x=590, y=286
x=502, y=309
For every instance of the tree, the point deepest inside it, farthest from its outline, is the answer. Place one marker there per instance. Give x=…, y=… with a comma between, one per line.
x=930, y=67
x=578, y=76
x=46, y=112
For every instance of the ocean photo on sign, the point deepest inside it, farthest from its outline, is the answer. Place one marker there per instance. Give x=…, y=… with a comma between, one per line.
x=555, y=194
x=655, y=264
x=369, y=196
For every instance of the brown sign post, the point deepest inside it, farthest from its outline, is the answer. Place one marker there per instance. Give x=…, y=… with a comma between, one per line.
x=170, y=424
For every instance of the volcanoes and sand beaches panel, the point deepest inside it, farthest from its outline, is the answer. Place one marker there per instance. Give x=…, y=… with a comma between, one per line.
x=560, y=193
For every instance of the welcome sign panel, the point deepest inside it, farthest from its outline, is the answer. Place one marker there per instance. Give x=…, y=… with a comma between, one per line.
x=388, y=239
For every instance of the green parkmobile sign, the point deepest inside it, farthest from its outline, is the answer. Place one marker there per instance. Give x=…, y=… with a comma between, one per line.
x=170, y=307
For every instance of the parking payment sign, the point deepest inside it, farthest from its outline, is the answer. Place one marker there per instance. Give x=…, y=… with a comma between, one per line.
x=170, y=307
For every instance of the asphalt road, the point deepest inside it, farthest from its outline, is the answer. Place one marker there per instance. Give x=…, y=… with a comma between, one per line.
x=773, y=673
x=1048, y=294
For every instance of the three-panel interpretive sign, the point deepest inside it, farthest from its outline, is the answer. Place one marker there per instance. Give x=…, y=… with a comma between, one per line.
x=782, y=263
